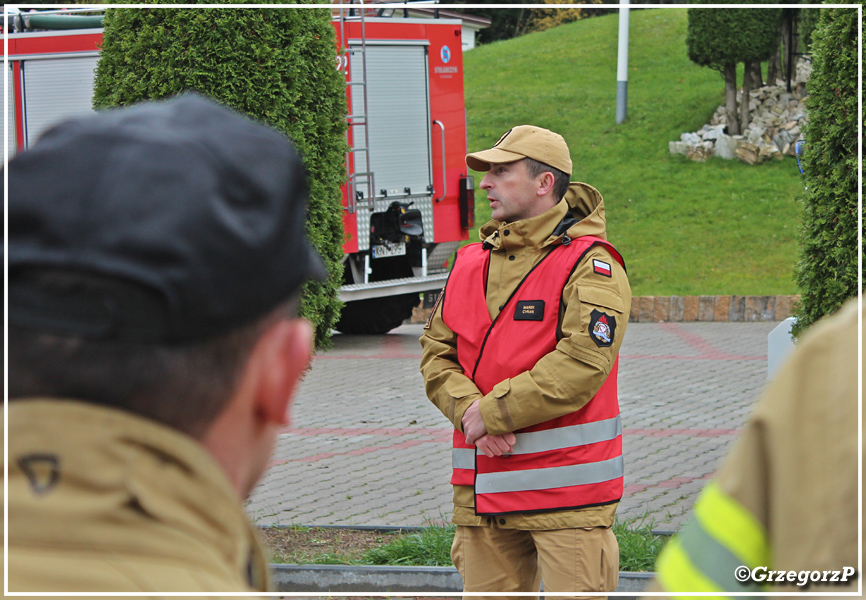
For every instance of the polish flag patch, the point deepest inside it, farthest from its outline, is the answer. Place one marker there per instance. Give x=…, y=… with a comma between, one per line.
x=601, y=267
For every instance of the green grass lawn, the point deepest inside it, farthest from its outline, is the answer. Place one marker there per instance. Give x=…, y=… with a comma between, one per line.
x=429, y=546
x=720, y=227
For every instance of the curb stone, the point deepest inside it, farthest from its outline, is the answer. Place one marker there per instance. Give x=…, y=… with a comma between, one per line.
x=385, y=579
x=392, y=578
x=404, y=528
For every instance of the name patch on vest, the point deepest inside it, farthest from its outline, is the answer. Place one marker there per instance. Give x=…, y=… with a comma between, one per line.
x=601, y=328
x=529, y=310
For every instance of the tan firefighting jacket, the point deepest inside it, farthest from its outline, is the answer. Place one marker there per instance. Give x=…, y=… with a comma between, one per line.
x=562, y=381
x=104, y=501
x=786, y=499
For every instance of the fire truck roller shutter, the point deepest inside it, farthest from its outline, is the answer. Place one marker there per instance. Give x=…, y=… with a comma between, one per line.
x=73, y=75
x=398, y=117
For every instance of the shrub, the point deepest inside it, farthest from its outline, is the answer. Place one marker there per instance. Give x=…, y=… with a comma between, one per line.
x=827, y=269
x=275, y=65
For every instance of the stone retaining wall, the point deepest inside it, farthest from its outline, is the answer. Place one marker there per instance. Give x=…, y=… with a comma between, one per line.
x=663, y=309
x=678, y=309
x=776, y=117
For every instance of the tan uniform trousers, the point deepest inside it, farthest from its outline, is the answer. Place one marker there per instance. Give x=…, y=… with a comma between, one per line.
x=580, y=562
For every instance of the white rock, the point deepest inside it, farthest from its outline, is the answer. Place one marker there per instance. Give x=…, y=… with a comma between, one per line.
x=755, y=134
x=691, y=139
x=714, y=133
x=726, y=147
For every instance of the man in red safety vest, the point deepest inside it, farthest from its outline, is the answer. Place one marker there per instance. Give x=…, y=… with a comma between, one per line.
x=520, y=353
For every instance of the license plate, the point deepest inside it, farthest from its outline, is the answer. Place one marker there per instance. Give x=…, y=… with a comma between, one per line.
x=384, y=251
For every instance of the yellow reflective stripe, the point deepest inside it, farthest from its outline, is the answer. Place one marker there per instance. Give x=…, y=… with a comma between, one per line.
x=676, y=573
x=728, y=522
x=712, y=558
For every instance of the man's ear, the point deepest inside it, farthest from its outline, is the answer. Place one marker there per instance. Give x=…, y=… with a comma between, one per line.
x=280, y=357
x=545, y=183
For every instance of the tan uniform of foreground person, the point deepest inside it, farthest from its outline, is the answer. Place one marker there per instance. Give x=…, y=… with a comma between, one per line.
x=781, y=514
x=156, y=255
x=520, y=355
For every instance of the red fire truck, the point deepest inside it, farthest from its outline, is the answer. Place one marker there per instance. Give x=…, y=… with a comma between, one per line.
x=408, y=199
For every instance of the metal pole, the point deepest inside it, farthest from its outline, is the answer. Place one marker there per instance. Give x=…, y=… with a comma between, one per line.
x=790, y=64
x=622, y=64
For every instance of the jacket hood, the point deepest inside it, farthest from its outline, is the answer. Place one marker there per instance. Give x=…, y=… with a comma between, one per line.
x=586, y=206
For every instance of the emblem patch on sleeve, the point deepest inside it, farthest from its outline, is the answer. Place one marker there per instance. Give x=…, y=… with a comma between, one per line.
x=601, y=328
x=601, y=267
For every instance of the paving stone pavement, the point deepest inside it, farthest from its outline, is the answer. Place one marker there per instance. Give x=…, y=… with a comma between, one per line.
x=366, y=447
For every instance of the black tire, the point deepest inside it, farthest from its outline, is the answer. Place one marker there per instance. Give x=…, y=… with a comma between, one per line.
x=379, y=315
x=376, y=315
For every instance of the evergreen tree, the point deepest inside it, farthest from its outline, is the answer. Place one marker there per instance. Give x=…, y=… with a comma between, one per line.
x=275, y=65
x=827, y=270
x=720, y=38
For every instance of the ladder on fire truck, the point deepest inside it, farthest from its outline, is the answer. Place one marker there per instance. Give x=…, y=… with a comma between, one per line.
x=357, y=117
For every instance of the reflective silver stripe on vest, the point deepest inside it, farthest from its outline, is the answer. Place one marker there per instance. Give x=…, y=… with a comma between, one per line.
x=462, y=458
x=552, y=477
x=550, y=439
x=567, y=437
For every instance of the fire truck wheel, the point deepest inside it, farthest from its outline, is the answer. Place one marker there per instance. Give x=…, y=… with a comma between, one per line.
x=376, y=315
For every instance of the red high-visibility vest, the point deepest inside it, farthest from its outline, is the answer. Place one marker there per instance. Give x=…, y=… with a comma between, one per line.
x=571, y=461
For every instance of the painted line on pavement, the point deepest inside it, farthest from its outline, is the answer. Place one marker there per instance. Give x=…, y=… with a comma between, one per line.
x=441, y=434
x=707, y=350
x=688, y=432
x=356, y=431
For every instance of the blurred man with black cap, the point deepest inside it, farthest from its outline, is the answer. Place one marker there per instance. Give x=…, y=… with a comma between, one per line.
x=156, y=257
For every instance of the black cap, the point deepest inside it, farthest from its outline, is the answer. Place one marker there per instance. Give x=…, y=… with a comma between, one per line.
x=189, y=215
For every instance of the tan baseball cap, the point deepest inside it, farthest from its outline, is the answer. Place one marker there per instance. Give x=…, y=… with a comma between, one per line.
x=524, y=141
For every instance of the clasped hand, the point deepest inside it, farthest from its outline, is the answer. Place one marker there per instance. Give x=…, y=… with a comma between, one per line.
x=476, y=433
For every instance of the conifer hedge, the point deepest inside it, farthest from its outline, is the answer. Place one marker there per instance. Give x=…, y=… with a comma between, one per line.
x=827, y=269
x=276, y=65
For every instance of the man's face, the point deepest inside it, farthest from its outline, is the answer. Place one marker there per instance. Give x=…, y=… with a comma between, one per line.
x=512, y=193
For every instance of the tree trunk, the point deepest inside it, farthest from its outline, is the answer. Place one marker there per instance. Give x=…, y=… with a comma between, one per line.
x=783, y=58
x=730, y=73
x=757, y=76
x=520, y=26
x=744, y=103
x=774, y=66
